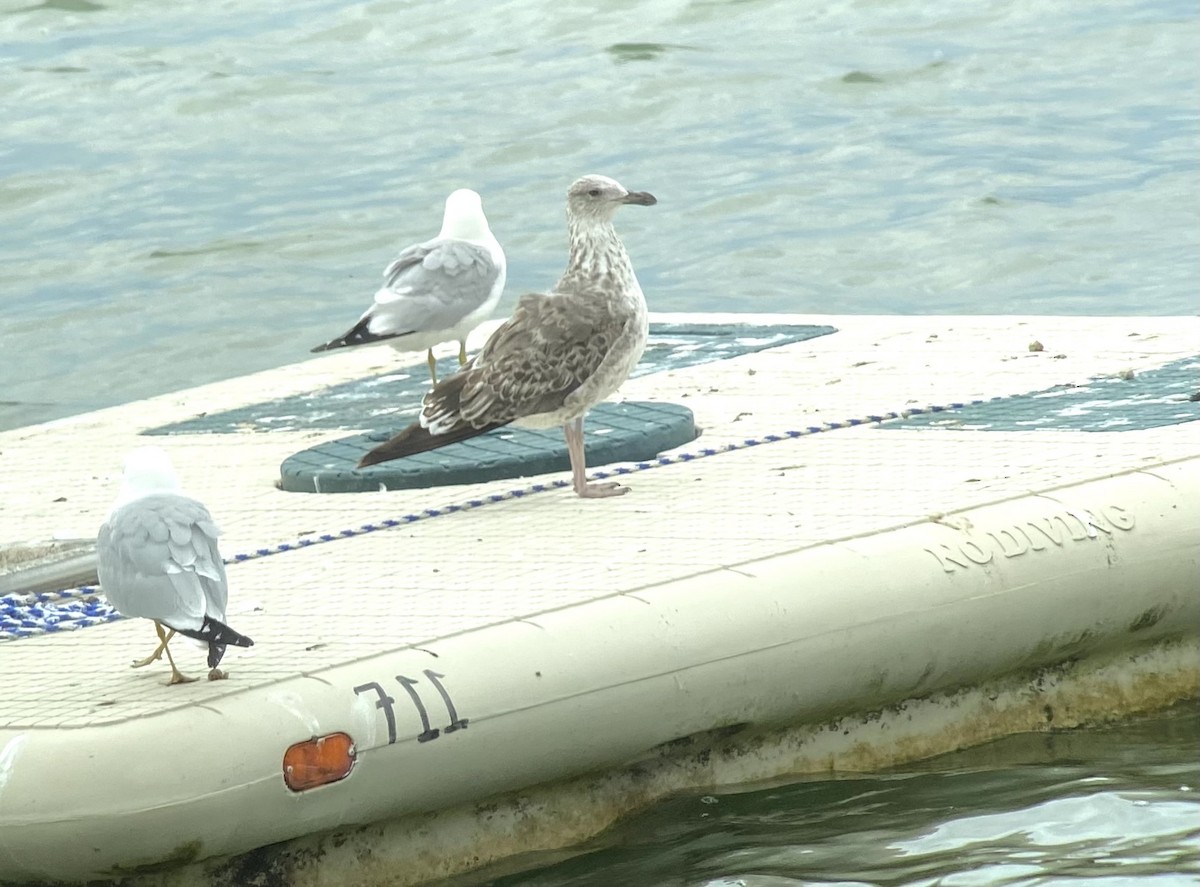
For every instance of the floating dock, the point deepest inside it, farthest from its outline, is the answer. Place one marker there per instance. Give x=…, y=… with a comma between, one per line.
x=880, y=539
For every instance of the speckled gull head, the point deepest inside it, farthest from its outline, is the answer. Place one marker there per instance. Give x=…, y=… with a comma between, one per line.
x=147, y=470
x=464, y=218
x=596, y=198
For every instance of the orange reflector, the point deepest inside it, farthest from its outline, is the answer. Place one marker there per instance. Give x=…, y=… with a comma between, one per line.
x=318, y=761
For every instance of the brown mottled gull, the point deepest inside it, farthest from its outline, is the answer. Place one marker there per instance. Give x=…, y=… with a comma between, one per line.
x=436, y=291
x=560, y=354
x=157, y=558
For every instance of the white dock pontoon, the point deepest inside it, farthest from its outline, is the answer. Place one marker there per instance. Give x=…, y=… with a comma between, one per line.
x=902, y=537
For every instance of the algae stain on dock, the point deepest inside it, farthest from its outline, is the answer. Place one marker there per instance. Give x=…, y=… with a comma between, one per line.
x=557, y=816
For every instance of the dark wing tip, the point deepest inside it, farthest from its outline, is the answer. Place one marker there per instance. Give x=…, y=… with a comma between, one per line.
x=413, y=439
x=359, y=334
x=371, y=458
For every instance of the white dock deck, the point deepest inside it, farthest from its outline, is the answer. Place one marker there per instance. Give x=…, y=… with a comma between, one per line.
x=544, y=606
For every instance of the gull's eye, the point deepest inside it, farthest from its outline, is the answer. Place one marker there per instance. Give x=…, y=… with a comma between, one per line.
x=595, y=192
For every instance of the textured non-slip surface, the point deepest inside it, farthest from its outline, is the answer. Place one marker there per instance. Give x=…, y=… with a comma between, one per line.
x=463, y=558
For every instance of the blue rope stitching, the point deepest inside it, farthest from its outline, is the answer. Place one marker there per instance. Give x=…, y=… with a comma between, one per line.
x=23, y=616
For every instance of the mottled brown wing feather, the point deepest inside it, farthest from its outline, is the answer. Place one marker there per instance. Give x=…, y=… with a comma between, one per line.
x=536, y=358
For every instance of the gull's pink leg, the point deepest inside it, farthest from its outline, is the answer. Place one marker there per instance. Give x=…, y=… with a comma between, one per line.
x=573, y=432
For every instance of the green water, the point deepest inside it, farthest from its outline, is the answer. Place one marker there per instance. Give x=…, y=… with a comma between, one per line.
x=195, y=190
x=1103, y=806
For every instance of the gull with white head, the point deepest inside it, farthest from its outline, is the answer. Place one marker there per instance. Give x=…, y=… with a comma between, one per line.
x=157, y=558
x=436, y=291
x=559, y=354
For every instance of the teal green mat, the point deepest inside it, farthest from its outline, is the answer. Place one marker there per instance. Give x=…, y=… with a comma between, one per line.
x=1166, y=395
x=394, y=397
x=632, y=431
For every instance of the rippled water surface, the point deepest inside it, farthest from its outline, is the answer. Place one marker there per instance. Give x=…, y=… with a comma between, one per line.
x=193, y=190
x=1097, y=807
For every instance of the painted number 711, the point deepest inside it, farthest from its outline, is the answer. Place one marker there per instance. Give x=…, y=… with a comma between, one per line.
x=386, y=703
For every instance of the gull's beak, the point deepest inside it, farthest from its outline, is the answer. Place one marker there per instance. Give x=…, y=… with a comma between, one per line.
x=641, y=198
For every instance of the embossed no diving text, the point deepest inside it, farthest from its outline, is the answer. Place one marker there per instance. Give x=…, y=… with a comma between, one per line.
x=1039, y=534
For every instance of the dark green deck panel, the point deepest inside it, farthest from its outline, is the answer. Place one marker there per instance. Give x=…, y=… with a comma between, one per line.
x=1166, y=395
x=633, y=431
x=394, y=397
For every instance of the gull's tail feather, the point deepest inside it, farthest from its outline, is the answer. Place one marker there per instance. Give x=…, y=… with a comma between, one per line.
x=415, y=439
x=359, y=334
x=218, y=636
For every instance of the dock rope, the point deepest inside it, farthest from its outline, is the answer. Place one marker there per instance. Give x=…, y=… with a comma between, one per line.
x=28, y=615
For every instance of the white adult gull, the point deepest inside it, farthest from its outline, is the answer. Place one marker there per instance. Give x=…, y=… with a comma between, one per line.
x=157, y=558
x=559, y=354
x=436, y=291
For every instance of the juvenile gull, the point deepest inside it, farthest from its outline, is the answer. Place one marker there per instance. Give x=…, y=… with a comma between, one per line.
x=436, y=291
x=157, y=558
x=560, y=354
